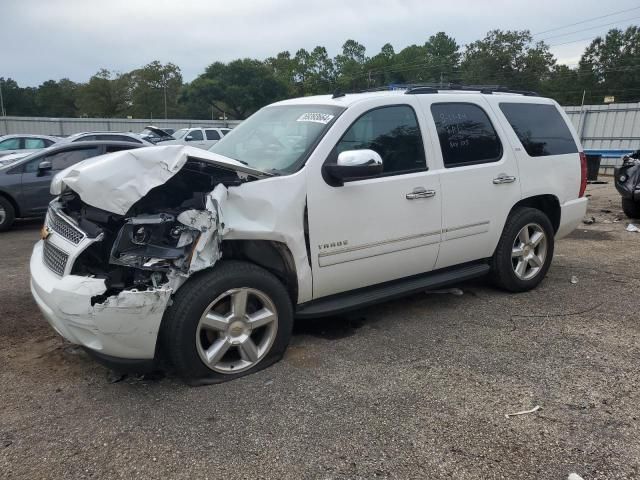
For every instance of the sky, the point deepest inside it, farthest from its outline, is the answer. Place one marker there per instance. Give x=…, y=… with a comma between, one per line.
x=53, y=39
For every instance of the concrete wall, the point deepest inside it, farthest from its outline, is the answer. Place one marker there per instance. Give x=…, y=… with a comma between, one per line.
x=68, y=126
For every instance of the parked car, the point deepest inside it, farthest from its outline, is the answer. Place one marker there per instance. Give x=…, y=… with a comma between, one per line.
x=24, y=143
x=24, y=183
x=313, y=206
x=203, y=138
x=627, y=181
x=107, y=136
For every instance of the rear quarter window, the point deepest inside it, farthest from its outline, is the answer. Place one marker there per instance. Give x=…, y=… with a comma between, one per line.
x=540, y=128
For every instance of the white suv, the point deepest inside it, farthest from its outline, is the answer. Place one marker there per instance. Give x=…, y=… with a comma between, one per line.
x=312, y=206
x=203, y=138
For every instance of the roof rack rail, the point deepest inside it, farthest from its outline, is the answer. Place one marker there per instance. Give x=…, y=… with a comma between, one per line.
x=485, y=89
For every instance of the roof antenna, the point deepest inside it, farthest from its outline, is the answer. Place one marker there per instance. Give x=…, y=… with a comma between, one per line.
x=338, y=94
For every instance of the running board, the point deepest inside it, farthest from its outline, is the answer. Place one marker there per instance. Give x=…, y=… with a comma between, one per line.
x=342, y=302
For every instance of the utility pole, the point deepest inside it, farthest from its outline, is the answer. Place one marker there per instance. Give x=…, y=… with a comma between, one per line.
x=581, y=120
x=164, y=84
x=4, y=114
x=440, y=79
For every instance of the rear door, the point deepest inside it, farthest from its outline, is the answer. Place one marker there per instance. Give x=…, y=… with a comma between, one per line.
x=35, y=183
x=479, y=181
x=546, y=148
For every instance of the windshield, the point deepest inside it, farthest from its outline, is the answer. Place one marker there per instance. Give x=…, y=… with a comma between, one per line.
x=178, y=134
x=277, y=138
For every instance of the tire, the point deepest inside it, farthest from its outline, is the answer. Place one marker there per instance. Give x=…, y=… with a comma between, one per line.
x=631, y=209
x=518, y=266
x=225, y=336
x=7, y=214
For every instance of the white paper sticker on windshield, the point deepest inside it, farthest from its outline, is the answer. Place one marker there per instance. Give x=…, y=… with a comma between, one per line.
x=323, y=118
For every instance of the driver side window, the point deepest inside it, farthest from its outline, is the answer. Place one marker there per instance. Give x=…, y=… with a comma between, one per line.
x=393, y=133
x=62, y=160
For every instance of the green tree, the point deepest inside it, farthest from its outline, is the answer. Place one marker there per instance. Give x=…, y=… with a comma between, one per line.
x=443, y=58
x=611, y=66
x=236, y=89
x=154, y=90
x=283, y=67
x=17, y=100
x=381, y=64
x=563, y=85
x=349, y=66
x=507, y=58
x=57, y=99
x=106, y=94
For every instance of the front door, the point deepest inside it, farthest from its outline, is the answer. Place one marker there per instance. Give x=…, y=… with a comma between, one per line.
x=377, y=229
x=479, y=181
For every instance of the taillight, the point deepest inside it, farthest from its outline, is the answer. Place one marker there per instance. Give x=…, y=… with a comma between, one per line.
x=583, y=174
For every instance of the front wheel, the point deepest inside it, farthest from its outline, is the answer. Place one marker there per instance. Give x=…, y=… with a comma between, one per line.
x=7, y=214
x=524, y=251
x=228, y=322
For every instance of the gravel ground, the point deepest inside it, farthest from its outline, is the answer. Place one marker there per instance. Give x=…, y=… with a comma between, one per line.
x=415, y=388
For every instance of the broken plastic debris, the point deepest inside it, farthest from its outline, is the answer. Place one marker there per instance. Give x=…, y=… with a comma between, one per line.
x=574, y=476
x=574, y=279
x=453, y=291
x=589, y=220
x=633, y=228
x=523, y=412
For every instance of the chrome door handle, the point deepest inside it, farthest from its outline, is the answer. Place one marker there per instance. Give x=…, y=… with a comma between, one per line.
x=420, y=192
x=503, y=178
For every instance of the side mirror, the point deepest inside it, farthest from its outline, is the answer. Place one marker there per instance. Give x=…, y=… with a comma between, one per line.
x=354, y=165
x=43, y=167
x=188, y=138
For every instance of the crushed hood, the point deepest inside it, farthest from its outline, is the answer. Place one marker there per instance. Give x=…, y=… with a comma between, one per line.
x=115, y=181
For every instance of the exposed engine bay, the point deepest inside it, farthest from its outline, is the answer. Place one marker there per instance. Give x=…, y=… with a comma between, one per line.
x=171, y=232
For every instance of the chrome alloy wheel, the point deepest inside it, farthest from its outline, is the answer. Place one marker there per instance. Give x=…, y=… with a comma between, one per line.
x=236, y=330
x=3, y=215
x=529, y=251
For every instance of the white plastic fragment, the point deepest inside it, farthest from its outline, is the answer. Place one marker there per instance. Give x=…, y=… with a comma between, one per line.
x=574, y=476
x=574, y=279
x=523, y=412
x=633, y=228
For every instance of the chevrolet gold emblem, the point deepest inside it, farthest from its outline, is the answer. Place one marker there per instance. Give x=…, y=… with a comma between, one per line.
x=44, y=232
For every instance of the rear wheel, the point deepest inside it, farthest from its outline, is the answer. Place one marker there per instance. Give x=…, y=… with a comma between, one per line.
x=524, y=251
x=7, y=214
x=631, y=209
x=228, y=322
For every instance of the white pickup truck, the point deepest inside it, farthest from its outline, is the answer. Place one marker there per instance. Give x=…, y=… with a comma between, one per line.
x=313, y=206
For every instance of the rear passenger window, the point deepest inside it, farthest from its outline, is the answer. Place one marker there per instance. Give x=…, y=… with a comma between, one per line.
x=393, y=133
x=34, y=143
x=540, y=128
x=212, y=134
x=466, y=134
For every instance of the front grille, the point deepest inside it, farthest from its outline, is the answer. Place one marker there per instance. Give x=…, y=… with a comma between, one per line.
x=54, y=258
x=61, y=226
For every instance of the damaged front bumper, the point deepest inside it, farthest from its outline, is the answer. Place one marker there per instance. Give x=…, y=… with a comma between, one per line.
x=125, y=325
